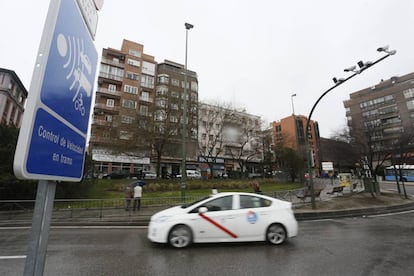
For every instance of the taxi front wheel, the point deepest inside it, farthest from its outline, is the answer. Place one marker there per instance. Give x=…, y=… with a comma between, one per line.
x=180, y=236
x=276, y=234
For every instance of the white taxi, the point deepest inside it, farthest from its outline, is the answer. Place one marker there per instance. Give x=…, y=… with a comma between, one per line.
x=225, y=217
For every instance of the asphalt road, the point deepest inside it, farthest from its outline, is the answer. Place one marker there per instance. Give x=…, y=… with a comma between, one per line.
x=381, y=245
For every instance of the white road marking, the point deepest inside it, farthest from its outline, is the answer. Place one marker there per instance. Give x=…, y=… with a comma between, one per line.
x=391, y=214
x=13, y=257
x=80, y=227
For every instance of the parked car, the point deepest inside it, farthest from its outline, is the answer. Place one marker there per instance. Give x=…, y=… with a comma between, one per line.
x=225, y=217
x=149, y=175
x=191, y=174
x=116, y=175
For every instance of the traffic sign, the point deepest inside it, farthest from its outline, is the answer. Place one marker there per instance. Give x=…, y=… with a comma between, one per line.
x=52, y=139
x=327, y=166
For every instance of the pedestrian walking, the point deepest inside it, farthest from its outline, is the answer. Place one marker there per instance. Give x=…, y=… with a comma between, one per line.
x=137, y=197
x=129, y=195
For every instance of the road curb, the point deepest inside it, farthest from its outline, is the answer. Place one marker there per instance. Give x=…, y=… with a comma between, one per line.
x=300, y=216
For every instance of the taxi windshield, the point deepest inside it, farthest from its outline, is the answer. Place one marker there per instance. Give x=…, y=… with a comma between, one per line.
x=194, y=202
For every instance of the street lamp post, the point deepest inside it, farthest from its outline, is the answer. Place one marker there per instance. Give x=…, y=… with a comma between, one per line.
x=293, y=107
x=362, y=67
x=188, y=26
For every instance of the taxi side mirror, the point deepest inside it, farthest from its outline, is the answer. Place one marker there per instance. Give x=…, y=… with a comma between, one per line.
x=202, y=210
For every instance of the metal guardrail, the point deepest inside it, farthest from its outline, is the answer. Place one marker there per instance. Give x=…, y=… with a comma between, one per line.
x=99, y=208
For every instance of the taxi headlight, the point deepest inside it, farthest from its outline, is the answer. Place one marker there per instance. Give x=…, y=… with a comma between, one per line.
x=161, y=219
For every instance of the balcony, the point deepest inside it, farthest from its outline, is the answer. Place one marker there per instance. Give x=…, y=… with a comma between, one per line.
x=146, y=99
x=100, y=140
x=111, y=62
x=107, y=92
x=108, y=109
x=100, y=122
x=110, y=76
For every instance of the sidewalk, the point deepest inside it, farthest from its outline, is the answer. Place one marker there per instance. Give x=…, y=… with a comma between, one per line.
x=355, y=204
x=327, y=206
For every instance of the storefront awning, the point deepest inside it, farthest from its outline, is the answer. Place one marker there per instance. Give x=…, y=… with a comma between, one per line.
x=120, y=158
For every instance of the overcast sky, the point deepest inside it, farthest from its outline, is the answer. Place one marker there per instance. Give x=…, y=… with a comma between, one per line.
x=252, y=54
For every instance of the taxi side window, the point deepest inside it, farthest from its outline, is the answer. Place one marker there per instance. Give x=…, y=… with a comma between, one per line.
x=220, y=204
x=253, y=202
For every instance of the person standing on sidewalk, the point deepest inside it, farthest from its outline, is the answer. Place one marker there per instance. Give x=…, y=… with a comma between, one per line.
x=137, y=197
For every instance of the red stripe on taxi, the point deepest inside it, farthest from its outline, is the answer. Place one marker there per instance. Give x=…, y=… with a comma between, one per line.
x=231, y=234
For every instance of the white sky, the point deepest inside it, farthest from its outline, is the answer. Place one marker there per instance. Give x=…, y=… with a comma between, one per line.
x=252, y=54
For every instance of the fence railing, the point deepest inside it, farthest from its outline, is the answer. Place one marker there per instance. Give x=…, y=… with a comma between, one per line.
x=99, y=208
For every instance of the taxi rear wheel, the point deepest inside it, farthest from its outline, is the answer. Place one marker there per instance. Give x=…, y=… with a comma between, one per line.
x=180, y=236
x=276, y=234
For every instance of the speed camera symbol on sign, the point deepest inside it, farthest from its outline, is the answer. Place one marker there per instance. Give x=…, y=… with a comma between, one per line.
x=78, y=65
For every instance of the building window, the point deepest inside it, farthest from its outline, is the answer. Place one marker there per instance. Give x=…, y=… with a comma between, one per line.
x=148, y=68
x=108, y=118
x=129, y=104
x=409, y=93
x=147, y=81
x=175, y=94
x=160, y=115
x=410, y=105
x=112, y=87
x=163, y=79
x=127, y=119
x=182, y=84
x=134, y=53
x=194, y=86
x=194, y=97
x=125, y=135
x=111, y=72
x=175, y=82
x=161, y=103
x=145, y=96
x=132, y=76
x=133, y=62
x=173, y=119
x=143, y=110
x=162, y=90
x=110, y=102
x=131, y=89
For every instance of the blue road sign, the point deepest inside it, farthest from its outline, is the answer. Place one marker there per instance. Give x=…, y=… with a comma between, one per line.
x=52, y=139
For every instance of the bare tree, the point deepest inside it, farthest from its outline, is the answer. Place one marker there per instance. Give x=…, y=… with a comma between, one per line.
x=402, y=154
x=288, y=159
x=268, y=153
x=339, y=150
x=162, y=132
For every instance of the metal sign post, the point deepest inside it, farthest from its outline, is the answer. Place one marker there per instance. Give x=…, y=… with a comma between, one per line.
x=36, y=253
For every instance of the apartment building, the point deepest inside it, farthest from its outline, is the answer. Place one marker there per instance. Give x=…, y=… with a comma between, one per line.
x=168, y=117
x=138, y=113
x=13, y=97
x=230, y=141
x=290, y=132
x=384, y=111
x=125, y=90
